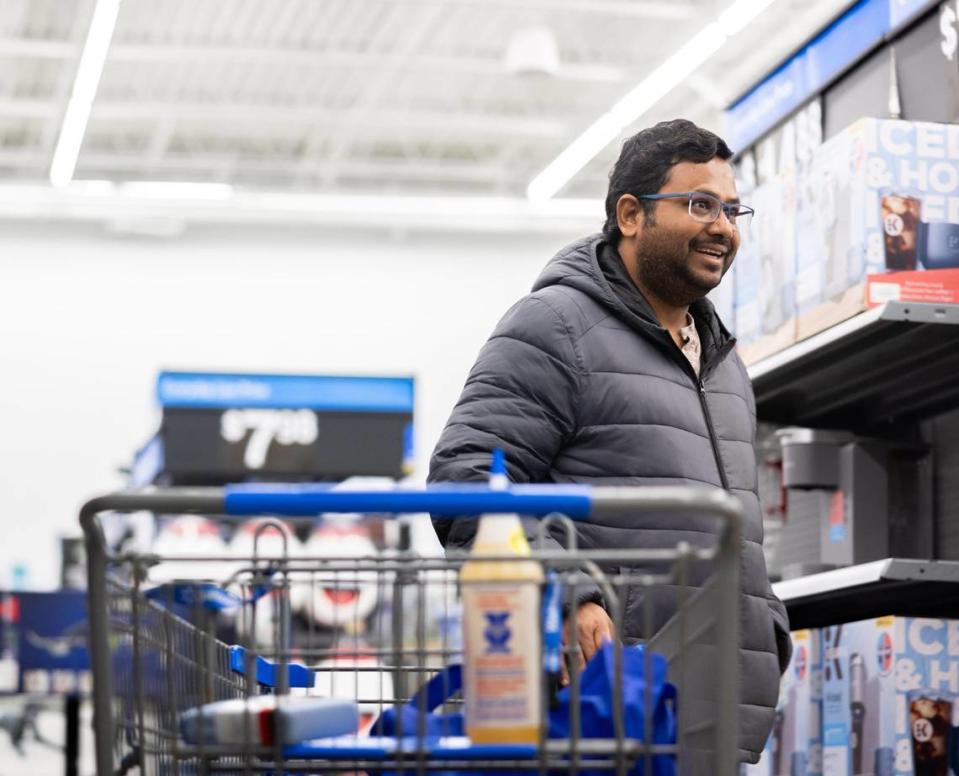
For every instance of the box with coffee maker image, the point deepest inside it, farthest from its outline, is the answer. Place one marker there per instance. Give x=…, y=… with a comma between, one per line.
x=878, y=220
x=889, y=689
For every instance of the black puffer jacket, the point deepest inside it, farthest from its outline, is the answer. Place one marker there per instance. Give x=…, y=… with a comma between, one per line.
x=576, y=387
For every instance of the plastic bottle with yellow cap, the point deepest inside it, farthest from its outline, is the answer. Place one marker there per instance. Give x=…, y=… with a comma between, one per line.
x=501, y=631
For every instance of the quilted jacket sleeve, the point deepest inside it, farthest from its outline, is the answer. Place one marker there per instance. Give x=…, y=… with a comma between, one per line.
x=777, y=609
x=521, y=396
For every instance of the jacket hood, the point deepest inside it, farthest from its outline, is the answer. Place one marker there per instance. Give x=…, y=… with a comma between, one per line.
x=577, y=266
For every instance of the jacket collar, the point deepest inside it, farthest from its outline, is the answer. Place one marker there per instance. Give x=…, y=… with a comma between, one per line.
x=595, y=267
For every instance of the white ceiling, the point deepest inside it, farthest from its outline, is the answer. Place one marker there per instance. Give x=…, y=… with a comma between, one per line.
x=407, y=97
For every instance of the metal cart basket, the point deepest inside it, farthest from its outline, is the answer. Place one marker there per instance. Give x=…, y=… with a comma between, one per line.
x=159, y=650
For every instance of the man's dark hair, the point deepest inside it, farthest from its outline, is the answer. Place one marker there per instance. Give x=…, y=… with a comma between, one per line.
x=649, y=155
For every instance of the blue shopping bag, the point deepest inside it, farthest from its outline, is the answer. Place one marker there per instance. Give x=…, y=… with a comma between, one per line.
x=596, y=702
x=431, y=696
x=596, y=705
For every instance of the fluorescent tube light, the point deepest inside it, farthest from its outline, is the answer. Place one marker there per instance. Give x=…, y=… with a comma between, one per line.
x=741, y=13
x=684, y=61
x=85, y=86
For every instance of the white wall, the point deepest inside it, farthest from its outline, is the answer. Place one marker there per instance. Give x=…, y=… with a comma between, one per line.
x=87, y=319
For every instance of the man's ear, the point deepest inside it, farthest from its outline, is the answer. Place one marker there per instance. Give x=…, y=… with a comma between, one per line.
x=629, y=215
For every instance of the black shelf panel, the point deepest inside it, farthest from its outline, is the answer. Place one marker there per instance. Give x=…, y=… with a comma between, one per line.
x=915, y=588
x=893, y=364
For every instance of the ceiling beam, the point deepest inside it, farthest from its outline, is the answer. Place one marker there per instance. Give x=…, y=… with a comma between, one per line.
x=399, y=169
x=222, y=118
x=103, y=204
x=465, y=65
x=27, y=109
x=37, y=48
x=375, y=89
x=626, y=9
x=24, y=157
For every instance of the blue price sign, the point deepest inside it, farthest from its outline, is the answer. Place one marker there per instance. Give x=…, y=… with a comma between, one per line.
x=52, y=642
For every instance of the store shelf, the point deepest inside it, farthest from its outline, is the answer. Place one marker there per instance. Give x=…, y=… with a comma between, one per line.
x=892, y=364
x=920, y=588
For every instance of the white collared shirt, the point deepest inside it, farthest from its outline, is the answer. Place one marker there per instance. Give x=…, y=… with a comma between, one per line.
x=692, y=348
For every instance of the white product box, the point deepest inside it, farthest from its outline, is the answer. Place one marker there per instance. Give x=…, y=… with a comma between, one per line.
x=765, y=765
x=879, y=198
x=775, y=205
x=766, y=271
x=889, y=689
x=723, y=298
x=748, y=316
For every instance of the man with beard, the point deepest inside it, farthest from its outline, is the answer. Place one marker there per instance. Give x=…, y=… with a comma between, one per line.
x=616, y=370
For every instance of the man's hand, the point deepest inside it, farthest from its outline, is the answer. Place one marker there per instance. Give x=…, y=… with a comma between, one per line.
x=593, y=626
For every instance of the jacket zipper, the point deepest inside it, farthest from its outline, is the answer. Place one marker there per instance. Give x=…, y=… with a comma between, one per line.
x=712, y=436
x=701, y=386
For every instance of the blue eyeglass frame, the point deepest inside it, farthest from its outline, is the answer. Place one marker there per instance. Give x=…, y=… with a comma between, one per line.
x=741, y=210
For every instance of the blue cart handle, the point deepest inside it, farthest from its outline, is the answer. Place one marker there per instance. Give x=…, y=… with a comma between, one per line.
x=574, y=501
x=266, y=671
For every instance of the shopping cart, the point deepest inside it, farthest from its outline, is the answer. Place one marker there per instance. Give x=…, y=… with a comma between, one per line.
x=158, y=651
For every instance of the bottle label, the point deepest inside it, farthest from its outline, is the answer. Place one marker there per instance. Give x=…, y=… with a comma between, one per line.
x=502, y=641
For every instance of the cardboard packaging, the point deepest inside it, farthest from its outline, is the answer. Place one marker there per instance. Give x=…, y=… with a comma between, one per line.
x=766, y=271
x=776, y=214
x=877, y=212
x=765, y=765
x=797, y=749
x=723, y=298
x=794, y=747
x=748, y=317
x=890, y=686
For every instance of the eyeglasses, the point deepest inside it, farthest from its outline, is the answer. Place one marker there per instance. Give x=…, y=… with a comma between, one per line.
x=705, y=207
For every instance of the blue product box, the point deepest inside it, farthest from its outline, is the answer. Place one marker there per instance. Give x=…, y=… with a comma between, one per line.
x=879, y=198
x=798, y=747
x=890, y=686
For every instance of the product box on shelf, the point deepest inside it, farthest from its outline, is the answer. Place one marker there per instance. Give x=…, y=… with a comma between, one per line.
x=776, y=217
x=766, y=271
x=765, y=765
x=890, y=686
x=794, y=745
x=877, y=219
x=723, y=298
x=797, y=749
x=747, y=315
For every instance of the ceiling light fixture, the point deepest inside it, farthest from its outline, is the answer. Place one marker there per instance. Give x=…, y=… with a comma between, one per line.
x=533, y=51
x=644, y=96
x=85, y=85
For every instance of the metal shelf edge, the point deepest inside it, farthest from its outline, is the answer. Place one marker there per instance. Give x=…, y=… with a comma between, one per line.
x=805, y=347
x=843, y=580
x=830, y=581
x=918, y=313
